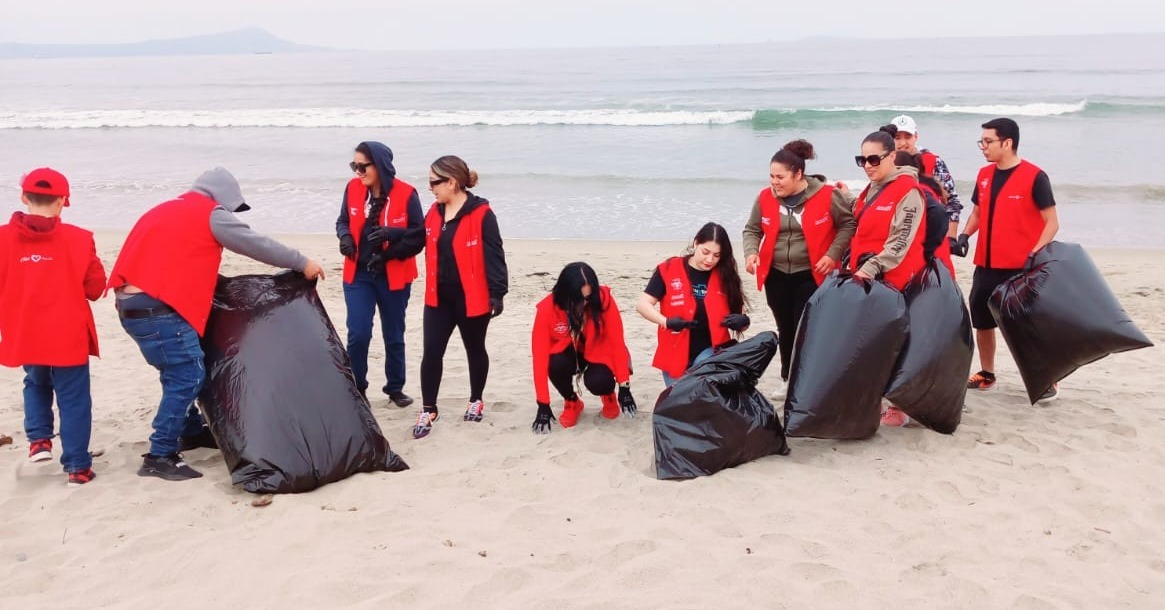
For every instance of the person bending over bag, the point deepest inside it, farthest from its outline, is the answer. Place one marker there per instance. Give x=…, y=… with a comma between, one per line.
x=701, y=302
x=578, y=331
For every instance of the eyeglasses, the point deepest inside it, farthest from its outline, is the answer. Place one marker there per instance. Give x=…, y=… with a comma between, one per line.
x=985, y=142
x=360, y=168
x=873, y=160
x=433, y=183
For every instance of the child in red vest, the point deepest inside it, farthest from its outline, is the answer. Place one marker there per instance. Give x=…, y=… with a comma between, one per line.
x=47, y=271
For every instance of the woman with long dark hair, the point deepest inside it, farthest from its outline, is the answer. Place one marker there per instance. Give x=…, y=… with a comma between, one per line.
x=465, y=281
x=700, y=302
x=578, y=331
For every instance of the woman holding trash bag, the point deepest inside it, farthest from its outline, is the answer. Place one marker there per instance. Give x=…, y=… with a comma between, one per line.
x=890, y=214
x=578, y=332
x=465, y=281
x=701, y=301
x=797, y=233
x=381, y=231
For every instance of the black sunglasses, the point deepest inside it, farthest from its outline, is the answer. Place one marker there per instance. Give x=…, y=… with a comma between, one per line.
x=873, y=160
x=360, y=168
x=433, y=183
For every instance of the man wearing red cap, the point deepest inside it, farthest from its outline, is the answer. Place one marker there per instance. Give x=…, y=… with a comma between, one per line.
x=47, y=271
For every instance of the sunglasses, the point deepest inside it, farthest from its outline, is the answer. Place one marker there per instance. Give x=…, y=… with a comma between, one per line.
x=360, y=168
x=433, y=183
x=872, y=160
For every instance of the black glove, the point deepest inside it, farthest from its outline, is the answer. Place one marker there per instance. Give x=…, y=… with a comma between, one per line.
x=627, y=401
x=961, y=245
x=376, y=238
x=376, y=263
x=735, y=322
x=348, y=246
x=495, y=307
x=676, y=323
x=1030, y=263
x=542, y=421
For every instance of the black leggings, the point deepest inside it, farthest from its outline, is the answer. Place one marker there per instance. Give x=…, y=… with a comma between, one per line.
x=597, y=378
x=787, y=294
x=438, y=325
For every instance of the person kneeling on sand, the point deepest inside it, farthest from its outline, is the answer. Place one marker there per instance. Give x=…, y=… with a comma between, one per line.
x=49, y=269
x=164, y=279
x=578, y=332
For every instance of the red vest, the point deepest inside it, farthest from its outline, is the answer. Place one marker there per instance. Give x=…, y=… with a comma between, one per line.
x=671, y=354
x=395, y=214
x=171, y=255
x=1010, y=225
x=874, y=228
x=929, y=161
x=816, y=222
x=468, y=251
x=45, y=318
x=943, y=251
x=551, y=335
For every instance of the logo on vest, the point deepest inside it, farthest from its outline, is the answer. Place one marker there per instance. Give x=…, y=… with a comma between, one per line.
x=884, y=208
x=35, y=258
x=352, y=211
x=677, y=285
x=1016, y=197
x=561, y=329
x=471, y=243
x=821, y=221
x=764, y=220
x=400, y=219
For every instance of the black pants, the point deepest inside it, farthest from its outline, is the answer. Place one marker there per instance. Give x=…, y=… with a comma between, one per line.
x=787, y=294
x=438, y=326
x=597, y=378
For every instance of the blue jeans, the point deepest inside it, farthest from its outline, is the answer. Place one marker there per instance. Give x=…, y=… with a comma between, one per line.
x=706, y=353
x=367, y=293
x=71, y=385
x=172, y=346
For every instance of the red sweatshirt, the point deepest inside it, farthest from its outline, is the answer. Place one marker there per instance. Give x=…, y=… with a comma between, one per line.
x=551, y=335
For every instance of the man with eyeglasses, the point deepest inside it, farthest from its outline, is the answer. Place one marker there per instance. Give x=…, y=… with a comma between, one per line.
x=1016, y=210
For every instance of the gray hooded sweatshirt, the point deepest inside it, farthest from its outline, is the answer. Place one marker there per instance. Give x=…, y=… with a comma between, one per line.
x=234, y=234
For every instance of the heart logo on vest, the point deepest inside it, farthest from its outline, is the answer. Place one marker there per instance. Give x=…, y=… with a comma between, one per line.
x=35, y=258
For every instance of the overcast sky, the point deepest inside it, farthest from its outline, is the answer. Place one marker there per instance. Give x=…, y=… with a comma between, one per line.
x=460, y=24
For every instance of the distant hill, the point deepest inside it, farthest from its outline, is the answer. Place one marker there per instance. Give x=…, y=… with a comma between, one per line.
x=236, y=42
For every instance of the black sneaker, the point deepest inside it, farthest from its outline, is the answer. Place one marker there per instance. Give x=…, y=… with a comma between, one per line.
x=202, y=439
x=168, y=467
x=400, y=399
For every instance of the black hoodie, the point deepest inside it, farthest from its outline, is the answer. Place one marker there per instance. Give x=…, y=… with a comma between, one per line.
x=403, y=242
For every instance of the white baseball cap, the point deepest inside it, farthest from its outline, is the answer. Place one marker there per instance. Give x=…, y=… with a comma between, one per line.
x=905, y=123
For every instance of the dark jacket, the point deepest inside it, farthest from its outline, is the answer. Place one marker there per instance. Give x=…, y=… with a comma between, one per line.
x=496, y=274
x=403, y=243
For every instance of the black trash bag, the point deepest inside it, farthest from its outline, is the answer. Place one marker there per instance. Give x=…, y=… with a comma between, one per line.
x=930, y=380
x=279, y=396
x=847, y=343
x=1060, y=316
x=714, y=418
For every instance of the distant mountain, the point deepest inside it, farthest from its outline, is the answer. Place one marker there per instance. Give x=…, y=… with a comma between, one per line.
x=236, y=42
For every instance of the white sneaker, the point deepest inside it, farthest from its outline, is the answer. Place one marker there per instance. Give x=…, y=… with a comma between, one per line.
x=781, y=390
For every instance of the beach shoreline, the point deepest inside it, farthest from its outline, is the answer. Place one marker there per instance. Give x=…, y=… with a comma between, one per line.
x=1054, y=506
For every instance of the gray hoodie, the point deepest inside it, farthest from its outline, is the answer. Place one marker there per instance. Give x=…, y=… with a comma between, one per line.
x=234, y=234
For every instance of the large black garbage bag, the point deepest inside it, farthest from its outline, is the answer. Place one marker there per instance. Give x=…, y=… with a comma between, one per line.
x=714, y=418
x=847, y=343
x=930, y=380
x=279, y=396
x=1060, y=316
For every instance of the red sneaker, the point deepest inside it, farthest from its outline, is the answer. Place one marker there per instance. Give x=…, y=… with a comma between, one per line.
x=570, y=413
x=81, y=477
x=610, y=406
x=40, y=450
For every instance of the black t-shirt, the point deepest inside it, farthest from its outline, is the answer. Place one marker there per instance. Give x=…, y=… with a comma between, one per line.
x=700, y=336
x=1041, y=189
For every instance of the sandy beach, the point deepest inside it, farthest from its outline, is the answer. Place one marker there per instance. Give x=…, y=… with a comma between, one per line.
x=1056, y=506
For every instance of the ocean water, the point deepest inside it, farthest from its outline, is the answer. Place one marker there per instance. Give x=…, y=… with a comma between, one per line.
x=635, y=143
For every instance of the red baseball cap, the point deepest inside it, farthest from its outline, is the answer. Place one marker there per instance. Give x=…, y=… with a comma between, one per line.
x=46, y=181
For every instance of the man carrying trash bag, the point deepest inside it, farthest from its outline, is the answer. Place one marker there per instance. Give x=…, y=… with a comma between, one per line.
x=1015, y=216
